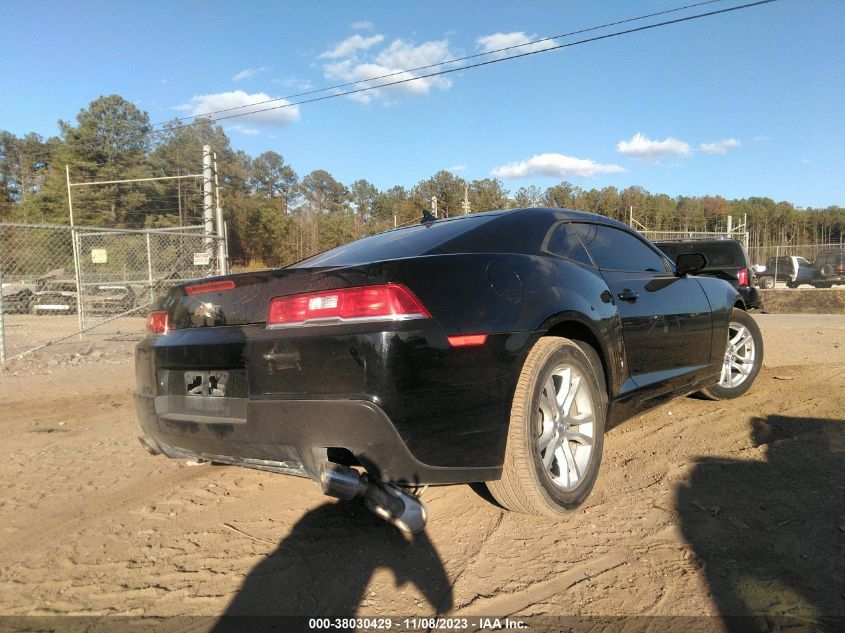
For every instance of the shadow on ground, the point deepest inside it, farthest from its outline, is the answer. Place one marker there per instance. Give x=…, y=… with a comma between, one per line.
x=325, y=564
x=771, y=535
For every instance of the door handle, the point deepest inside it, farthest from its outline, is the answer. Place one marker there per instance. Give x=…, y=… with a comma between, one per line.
x=628, y=295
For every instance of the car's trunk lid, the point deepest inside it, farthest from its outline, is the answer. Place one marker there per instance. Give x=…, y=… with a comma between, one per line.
x=243, y=298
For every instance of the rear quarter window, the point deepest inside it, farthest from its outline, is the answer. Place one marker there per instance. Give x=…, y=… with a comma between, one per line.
x=615, y=249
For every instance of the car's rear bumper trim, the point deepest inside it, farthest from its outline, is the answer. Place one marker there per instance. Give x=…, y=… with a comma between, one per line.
x=286, y=435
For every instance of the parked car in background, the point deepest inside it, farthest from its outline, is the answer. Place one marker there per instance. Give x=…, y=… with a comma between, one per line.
x=829, y=268
x=726, y=259
x=790, y=269
x=58, y=296
x=55, y=295
x=494, y=347
x=109, y=299
x=17, y=297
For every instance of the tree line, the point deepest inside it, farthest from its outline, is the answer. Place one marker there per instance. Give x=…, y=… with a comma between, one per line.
x=276, y=217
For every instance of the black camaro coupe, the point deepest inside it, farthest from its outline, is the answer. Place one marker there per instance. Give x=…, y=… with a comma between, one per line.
x=496, y=347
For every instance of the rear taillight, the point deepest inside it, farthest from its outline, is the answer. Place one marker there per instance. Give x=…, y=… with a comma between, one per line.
x=387, y=302
x=157, y=322
x=742, y=276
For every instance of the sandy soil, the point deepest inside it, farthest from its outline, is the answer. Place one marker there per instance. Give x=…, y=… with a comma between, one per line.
x=804, y=299
x=701, y=508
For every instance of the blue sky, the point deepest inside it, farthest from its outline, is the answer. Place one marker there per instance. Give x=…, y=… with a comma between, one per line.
x=747, y=103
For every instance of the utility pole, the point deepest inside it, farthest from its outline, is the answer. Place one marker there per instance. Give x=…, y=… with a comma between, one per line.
x=222, y=264
x=434, y=206
x=207, y=199
x=465, y=203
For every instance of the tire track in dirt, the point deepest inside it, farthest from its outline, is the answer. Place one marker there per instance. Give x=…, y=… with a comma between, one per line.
x=72, y=518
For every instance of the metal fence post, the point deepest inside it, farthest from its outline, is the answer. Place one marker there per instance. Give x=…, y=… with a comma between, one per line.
x=777, y=257
x=150, y=268
x=77, y=273
x=2, y=322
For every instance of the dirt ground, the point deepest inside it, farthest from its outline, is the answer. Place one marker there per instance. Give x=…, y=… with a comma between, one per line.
x=804, y=299
x=700, y=508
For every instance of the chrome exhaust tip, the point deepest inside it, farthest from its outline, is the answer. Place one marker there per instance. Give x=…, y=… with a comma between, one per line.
x=391, y=503
x=152, y=447
x=341, y=481
x=409, y=515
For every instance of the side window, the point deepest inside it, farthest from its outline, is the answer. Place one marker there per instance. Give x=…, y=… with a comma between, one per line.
x=564, y=242
x=615, y=249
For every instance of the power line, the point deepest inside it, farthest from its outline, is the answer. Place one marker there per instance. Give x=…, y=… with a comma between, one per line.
x=491, y=61
x=199, y=119
x=438, y=64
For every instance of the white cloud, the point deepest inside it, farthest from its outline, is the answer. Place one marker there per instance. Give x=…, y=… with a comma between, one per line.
x=393, y=60
x=249, y=131
x=643, y=148
x=496, y=41
x=457, y=168
x=199, y=105
x=556, y=165
x=362, y=26
x=248, y=73
x=758, y=139
x=296, y=83
x=720, y=147
x=351, y=45
x=806, y=161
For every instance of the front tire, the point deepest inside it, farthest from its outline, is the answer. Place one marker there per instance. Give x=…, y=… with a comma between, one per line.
x=767, y=282
x=743, y=358
x=556, y=432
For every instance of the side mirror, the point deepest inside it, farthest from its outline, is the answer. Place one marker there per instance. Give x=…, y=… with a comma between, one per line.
x=689, y=263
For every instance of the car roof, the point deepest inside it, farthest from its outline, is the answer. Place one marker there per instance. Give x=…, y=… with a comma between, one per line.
x=509, y=230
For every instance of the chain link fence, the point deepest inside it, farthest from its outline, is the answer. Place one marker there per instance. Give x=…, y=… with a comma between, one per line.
x=762, y=254
x=791, y=265
x=666, y=236
x=59, y=281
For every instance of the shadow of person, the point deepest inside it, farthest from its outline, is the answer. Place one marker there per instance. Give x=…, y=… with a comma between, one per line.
x=322, y=568
x=770, y=534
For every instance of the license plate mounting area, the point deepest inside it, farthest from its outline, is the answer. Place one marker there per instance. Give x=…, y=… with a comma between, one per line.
x=211, y=383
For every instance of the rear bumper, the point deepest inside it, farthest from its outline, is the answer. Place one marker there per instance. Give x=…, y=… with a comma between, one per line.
x=292, y=436
x=751, y=297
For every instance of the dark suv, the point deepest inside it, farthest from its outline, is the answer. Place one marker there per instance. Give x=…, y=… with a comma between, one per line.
x=829, y=268
x=726, y=259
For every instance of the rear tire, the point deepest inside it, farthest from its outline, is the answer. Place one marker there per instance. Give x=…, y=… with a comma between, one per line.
x=560, y=405
x=743, y=358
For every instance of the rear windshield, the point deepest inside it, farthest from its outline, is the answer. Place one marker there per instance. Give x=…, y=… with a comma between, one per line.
x=412, y=241
x=724, y=254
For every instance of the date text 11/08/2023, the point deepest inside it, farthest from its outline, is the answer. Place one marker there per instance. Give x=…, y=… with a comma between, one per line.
x=415, y=624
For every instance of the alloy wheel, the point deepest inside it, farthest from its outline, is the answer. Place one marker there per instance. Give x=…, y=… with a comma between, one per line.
x=739, y=356
x=566, y=427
